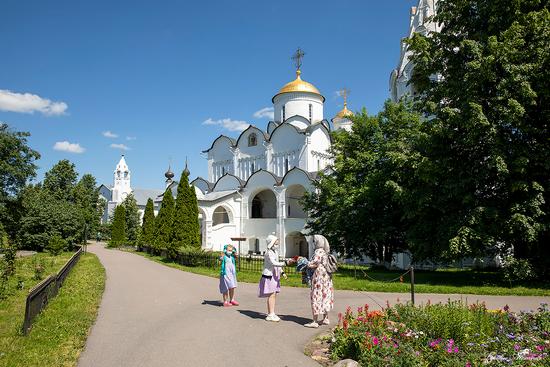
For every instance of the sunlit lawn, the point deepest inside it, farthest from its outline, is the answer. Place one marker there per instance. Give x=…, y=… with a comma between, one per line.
x=59, y=333
x=360, y=279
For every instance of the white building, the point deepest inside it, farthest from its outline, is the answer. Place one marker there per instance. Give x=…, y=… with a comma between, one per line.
x=419, y=22
x=121, y=188
x=255, y=182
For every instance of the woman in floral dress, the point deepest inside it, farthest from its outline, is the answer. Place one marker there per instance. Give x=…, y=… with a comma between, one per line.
x=322, y=291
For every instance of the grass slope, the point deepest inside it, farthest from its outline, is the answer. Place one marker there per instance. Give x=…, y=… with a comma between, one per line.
x=347, y=278
x=59, y=333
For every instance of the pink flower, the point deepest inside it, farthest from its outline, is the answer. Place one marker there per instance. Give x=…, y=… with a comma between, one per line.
x=468, y=364
x=375, y=340
x=359, y=309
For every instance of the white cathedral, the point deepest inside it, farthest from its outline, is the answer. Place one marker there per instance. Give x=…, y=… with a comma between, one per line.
x=256, y=181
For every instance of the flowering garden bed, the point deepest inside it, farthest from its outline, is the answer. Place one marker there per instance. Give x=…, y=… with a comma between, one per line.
x=451, y=334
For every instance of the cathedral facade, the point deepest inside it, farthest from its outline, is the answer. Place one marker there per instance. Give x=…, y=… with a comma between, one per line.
x=256, y=181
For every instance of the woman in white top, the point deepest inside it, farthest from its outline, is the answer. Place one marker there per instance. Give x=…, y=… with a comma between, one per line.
x=270, y=283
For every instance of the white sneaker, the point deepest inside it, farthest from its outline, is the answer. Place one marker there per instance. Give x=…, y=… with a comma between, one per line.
x=313, y=325
x=273, y=318
x=325, y=321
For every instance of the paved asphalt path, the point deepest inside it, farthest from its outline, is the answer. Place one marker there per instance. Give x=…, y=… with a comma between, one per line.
x=153, y=315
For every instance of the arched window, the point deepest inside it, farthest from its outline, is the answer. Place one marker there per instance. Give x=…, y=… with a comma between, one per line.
x=118, y=174
x=125, y=174
x=252, y=140
x=220, y=216
x=264, y=205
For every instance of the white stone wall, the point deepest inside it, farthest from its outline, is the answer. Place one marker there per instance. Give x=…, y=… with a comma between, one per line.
x=298, y=104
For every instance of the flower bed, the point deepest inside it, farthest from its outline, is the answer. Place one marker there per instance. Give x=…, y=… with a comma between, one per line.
x=451, y=334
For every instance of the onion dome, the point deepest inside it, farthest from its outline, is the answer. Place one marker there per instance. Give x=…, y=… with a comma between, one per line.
x=169, y=174
x=344, y=113
x=186, y=170
x=299, y=85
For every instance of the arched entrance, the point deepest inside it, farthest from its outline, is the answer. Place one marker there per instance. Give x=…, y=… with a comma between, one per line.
x=296, y=245
x=294, y=195
x=264, y=205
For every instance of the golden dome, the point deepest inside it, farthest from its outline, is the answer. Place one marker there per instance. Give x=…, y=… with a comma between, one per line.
x=299, y=85
x=344, y=112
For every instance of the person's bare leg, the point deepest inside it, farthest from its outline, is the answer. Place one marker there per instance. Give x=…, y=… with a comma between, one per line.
x=225, y=297
x=271, y=304
x=231, y=294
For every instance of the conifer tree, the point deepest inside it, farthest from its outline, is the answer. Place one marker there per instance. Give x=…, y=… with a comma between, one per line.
x=148, y=225
x=118, y=232
x=186, y=225
x=163, y=222
x=132, y=218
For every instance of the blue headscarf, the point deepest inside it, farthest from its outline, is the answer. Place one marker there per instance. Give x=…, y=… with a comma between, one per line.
x=222, y=270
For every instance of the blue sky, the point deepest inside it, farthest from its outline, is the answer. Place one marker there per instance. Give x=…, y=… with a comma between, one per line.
x=152, y=72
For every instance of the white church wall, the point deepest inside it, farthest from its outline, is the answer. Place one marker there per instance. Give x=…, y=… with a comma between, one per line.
x=318, y=158
x=298, y=104
x=288, y=146
x=227, y=182
x=220, y=159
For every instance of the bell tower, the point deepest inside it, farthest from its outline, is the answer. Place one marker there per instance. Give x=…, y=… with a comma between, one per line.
x=121, y=180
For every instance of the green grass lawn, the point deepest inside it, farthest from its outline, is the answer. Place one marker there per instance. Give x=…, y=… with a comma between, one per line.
x=59, y=333
x=440, y=281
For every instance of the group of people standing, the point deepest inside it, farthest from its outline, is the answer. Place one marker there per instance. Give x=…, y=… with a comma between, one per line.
x=321, y=291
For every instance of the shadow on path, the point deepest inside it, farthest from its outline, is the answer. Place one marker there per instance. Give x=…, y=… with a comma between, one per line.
x=291, y=318
x=253, y=314
x=297, y=319
x=212, y=303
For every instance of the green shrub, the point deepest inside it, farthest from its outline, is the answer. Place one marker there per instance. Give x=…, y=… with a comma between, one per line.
x=517, y=270
x=56, y=245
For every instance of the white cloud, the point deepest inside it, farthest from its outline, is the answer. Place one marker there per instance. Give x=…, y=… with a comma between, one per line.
x=109, y=134
x=65, y=146
x=228, y=124
x=29, y=103
x=264, y=112
x=119, y=146
x=131, y=138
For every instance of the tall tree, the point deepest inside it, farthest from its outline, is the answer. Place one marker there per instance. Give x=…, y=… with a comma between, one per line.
x=132, y=218
x=86, y=196
x=148, y=225
x=358, y=206
x=44, y=215
x=60, y=180
x=118, y=229
x=16, y=168
x=483, y=79
x=163, y=222
x=186, y=229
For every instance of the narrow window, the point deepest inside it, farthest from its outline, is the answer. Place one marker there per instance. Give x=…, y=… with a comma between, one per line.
x=253, y=168
x=223, y=171
x=286, y=165
x=252, y=140
x=284, y=114
x=310, y=112
x=318, y=165
x=288, y=210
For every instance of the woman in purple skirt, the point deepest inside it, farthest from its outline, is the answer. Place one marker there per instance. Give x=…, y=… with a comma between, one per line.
x=270, y=283
x=228, y=277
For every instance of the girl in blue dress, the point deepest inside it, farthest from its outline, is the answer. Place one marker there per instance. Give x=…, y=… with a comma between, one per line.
x=228, y=276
